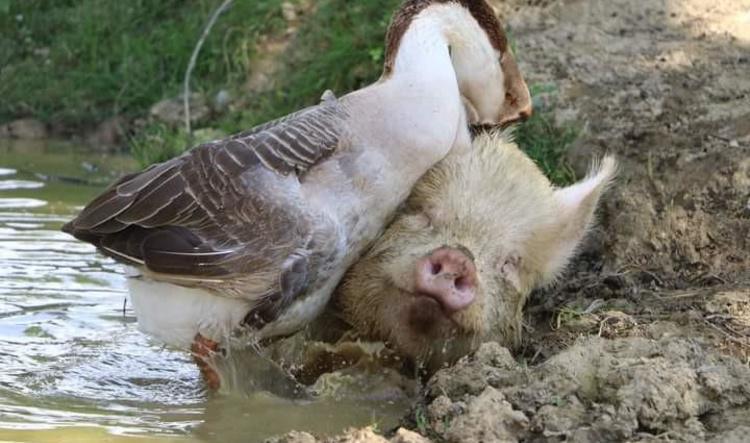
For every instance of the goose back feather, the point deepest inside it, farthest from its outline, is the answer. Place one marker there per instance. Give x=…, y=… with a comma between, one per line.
x=226, y=210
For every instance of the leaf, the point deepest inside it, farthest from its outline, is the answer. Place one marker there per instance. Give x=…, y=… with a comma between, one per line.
x=376, y=54
x=4, y=6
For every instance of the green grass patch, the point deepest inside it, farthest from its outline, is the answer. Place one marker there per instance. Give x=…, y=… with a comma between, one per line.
x=546, y=144
x=340, y=47
x=543, y=140
x=158, y=142
x=76, y=62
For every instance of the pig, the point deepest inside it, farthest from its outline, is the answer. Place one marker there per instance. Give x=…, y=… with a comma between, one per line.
x=478, y=233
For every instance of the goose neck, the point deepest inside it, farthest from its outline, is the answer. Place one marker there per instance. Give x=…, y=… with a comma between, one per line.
x=423, y=54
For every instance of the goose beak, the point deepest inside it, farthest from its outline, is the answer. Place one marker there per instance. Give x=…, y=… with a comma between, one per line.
x=517, y=105
x=472, y=115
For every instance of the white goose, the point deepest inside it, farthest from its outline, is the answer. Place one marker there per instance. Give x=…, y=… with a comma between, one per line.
x=254, y=232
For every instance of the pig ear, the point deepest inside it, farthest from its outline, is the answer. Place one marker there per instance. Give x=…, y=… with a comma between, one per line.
x=577, y=204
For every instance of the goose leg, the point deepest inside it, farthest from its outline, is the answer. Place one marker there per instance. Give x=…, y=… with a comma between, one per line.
x=203, y=350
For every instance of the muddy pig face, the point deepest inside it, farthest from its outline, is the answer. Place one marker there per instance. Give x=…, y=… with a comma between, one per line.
x=479, y=232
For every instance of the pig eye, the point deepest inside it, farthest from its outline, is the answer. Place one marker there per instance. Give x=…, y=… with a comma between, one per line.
x=419, y=221
x=510, y=269
x=424, y=220
x=510, y=264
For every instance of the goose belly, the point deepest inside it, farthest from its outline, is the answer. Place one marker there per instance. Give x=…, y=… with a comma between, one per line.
x=303, y=311
x=175, y=314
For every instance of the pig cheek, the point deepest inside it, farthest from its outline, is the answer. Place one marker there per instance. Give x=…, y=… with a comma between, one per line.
x=417, y=325
x=402, y=334
x=510, y=269
x=504, y=315
x=473, y=321
x=423, y=316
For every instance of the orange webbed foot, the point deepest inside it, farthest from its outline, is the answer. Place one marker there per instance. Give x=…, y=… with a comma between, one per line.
x=203, y=350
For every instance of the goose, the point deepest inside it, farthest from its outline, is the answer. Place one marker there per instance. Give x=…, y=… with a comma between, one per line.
x=248, y=236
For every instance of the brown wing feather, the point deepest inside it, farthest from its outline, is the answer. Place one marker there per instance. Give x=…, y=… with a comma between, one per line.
x=203, y=215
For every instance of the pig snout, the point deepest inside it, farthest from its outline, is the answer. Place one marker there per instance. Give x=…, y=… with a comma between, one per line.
x=449, y=277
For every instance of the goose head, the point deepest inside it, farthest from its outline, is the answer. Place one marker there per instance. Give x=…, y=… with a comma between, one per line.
x=491, y=86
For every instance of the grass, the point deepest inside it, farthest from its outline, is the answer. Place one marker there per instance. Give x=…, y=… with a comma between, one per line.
x=340, y=47
x=543, y=140
x=74, y=63
x=420, y=419
x=158, y=142
x=546, y=143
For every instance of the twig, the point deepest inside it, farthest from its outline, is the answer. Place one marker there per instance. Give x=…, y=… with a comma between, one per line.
x=536, y=354
x=194, y=59
x=730, y=337
x=596, y=304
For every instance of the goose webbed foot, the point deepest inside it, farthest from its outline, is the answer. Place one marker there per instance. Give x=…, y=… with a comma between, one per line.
x=203, y=350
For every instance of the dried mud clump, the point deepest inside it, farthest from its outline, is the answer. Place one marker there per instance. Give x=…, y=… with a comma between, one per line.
x=365, y=435
x=597, y=390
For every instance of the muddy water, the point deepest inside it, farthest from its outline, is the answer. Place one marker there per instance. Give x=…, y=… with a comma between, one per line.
x=73, y=365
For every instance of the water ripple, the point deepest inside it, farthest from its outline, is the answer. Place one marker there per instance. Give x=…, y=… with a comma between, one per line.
x=9, y=185
x=69, y=354
x=6, y=203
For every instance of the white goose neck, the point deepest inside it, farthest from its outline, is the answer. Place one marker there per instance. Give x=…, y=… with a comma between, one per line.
x=425, y=45
x=423, y=49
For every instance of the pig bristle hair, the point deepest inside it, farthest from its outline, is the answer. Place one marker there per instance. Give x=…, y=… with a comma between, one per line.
x=607, y=168
x=499, y=136
x=606, y=165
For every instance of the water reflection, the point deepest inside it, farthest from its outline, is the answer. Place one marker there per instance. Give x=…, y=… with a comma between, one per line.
x=71, y=357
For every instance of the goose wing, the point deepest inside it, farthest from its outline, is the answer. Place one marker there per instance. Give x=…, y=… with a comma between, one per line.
x=225, y=209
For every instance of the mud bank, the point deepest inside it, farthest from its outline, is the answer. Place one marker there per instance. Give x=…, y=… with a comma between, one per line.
x=664, y=86
x=598, y=390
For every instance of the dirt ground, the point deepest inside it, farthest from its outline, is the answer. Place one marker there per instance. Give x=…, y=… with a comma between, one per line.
x=665, y=85
x=649, y=336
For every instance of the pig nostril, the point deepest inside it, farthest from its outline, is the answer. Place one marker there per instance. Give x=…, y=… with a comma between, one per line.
x=436, y=268
x=460, y=283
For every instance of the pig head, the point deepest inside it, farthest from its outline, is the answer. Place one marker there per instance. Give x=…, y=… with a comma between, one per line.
x=478, y=233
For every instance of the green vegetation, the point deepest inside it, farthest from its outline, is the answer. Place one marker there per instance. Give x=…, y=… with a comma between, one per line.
x=543, y=140
x=546, y=144
x=420, y=418
x=158, y=142
x=77, y=62
x=340, y=47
